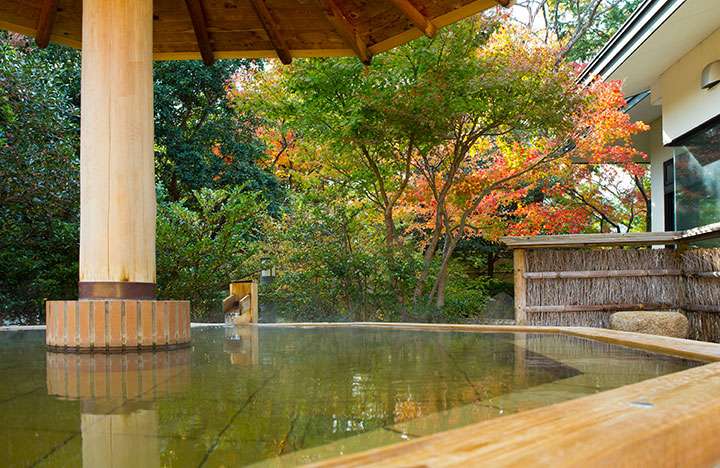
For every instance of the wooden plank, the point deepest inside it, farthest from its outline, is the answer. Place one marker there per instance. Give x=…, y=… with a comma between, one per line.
x=45, y=21
x=443, y=18
x=245, y=304
x=519, y=266
x=599, y=307
x=272, y=30
x=591, y=240
x=540, y=275
x=341, y=24
x=666, y=421
x=197, y=17
x=229, y=303
x=423, y=23
x=701, y=233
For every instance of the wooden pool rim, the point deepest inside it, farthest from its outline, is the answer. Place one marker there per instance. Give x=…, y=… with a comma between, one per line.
x=672, y=420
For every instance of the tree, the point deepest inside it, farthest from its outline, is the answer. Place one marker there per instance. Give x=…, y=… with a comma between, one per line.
x=457, y=130
x=200, y=142
x=583, y=27
x=201, y=249
x=39, y=196
x=614, y=196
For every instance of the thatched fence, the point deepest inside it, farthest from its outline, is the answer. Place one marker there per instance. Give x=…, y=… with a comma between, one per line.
x=556, y=284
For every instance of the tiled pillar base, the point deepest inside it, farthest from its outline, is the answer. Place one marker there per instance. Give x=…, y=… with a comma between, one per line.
x=117, y=325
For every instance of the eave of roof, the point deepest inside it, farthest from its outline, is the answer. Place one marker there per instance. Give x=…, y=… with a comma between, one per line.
x=208, y=29
x=644, y=21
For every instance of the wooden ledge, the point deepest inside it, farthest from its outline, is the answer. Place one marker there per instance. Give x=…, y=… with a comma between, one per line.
x=699, y=350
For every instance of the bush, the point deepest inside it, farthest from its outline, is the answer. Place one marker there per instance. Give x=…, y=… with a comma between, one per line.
x=201, y=249
x=332, y=264
x=39, y=169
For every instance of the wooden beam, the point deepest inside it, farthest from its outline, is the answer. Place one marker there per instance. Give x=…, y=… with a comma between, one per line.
x=272, y=30
x=197, y=16
x=506, y=3
x=701, y=233
x=591, y=240
x=45, y=21
x=519, y=266
x=349, y=34
x=422, y=22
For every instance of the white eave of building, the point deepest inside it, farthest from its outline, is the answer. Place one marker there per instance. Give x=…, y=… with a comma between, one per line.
x=656, y=36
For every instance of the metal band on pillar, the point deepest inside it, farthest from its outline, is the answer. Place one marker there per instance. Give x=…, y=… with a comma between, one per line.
x=96, y=290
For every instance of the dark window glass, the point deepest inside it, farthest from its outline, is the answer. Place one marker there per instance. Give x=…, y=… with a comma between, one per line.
x=697, y=179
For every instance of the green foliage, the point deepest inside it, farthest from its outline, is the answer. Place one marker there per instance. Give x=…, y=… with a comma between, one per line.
x=199, y=141
x=332, y=263
x=39, y=167
x=585, y=26
x=201, y=249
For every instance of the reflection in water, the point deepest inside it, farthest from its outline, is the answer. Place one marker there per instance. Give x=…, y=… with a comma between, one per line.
x=241, y=343
x=119, y=416
x=281, y=395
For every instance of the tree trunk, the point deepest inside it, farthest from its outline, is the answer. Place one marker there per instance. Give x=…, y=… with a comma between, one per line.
x=491, y=259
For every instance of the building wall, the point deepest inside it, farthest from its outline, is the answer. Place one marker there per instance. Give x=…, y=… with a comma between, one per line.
x=686, y=105
x=658, y=155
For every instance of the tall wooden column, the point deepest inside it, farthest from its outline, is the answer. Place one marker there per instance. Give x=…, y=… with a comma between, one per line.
x=117, y=309
x=117, y=186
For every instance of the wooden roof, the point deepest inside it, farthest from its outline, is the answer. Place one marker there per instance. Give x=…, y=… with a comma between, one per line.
x=212, y=29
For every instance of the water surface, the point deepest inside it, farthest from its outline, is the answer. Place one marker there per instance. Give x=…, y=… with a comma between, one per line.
x=282, y=396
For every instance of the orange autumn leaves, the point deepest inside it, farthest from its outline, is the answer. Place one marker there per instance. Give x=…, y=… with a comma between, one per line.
x=498, y=135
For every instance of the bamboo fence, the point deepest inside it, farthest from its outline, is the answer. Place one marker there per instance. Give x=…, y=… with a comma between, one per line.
x=584, y=287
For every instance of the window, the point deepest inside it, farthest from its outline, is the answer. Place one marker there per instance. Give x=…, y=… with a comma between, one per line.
x=697, y=179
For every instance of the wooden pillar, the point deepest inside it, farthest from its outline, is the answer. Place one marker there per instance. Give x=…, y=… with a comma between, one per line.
x=117, y=309
x=117, y=186
x=520, y=290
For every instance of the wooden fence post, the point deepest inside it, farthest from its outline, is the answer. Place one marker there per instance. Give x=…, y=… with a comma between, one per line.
x=520, y=292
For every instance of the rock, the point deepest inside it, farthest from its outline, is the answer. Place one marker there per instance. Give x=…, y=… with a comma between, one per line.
x=501, y=305
x=654, y=323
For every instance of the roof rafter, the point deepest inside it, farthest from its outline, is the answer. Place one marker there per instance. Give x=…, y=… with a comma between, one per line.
x=422, y=22
x=336, y=17
x=272, y=30
x=197, y=16
x=45, y=21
